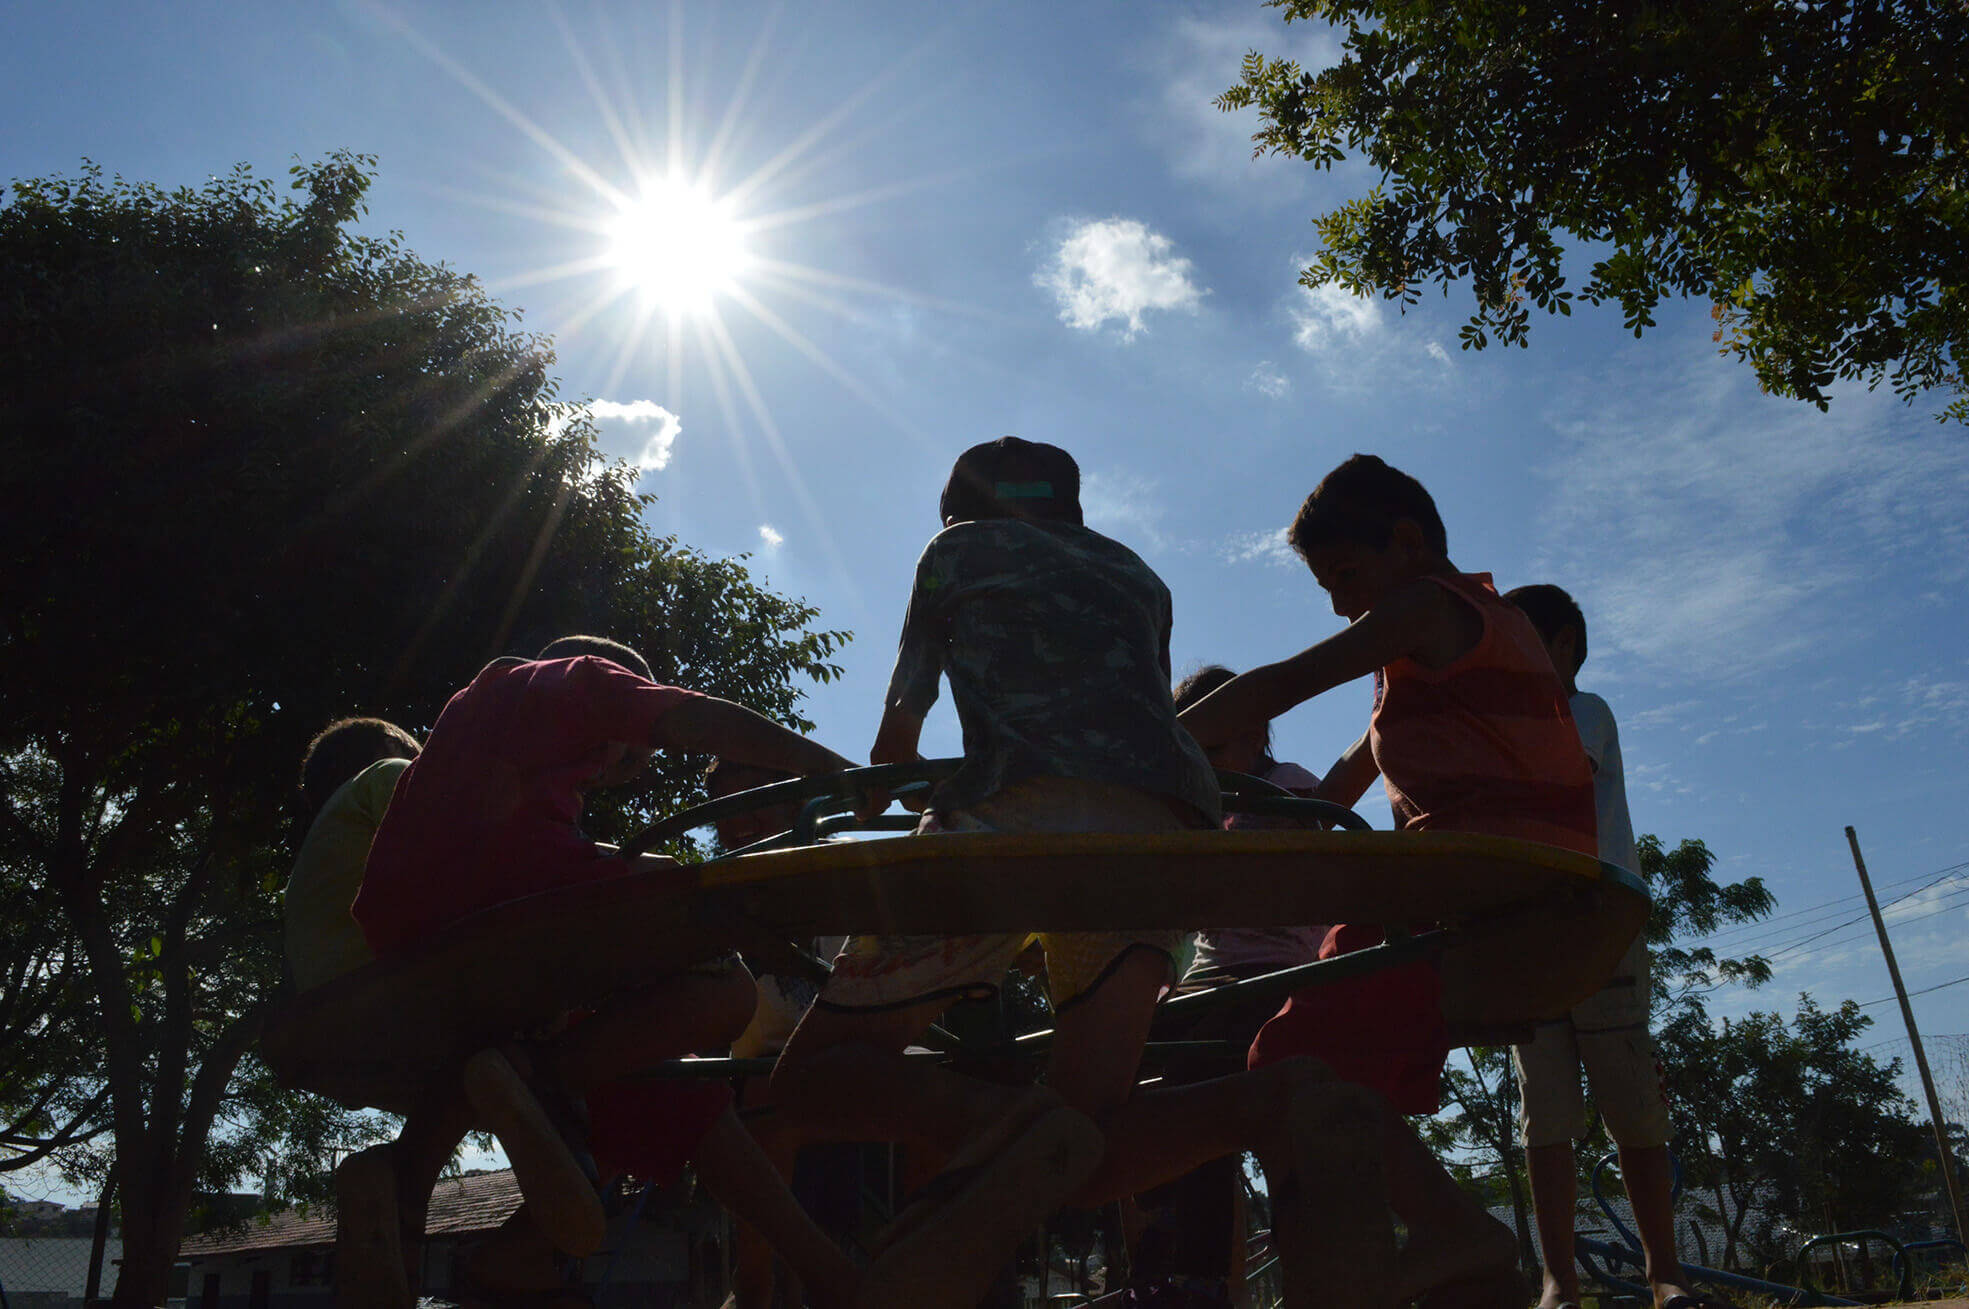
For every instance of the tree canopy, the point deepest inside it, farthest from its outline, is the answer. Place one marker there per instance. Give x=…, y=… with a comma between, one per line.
x=1804, y=167
x=1789, y=1126
x=261, y=471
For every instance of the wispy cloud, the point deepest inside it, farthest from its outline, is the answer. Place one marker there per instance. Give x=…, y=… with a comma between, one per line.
x=1260, y=547
x=1267, y=380
x=1191, y=63
x=1328, y=315
x=1117, y=270
x=770, y=536
x=1719, y=533
x=1125, y=507
x=1910, y=705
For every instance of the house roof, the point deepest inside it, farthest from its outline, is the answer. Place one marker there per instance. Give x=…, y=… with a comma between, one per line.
x=476, y=1202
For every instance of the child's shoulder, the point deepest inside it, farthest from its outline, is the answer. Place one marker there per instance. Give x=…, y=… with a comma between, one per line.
x=1590, y=711
x=1014, y=539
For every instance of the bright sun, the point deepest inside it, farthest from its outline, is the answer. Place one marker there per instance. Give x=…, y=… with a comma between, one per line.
x=677, y=246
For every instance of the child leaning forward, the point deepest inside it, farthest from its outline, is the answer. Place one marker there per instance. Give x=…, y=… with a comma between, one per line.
x=1469, y=733
x=488, y=813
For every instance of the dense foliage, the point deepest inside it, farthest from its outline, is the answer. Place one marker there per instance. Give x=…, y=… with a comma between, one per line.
x=1804, y=167
x=1788, y=1129
x=262, y=471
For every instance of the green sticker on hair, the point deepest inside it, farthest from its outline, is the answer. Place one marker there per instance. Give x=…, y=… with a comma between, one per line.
x=1022, y=491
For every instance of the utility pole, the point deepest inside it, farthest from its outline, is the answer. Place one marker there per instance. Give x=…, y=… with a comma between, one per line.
x=1914, y=1036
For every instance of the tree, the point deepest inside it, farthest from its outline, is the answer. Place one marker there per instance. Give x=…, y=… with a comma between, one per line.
x=1801, y=166
x=261, y=471
x=1791, y=1126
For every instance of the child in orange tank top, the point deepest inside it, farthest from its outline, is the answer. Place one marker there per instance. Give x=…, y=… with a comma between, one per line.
x=1470, y=733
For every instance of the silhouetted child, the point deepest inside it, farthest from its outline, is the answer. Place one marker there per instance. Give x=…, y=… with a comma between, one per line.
x=1470, y=733
x=1606, y=1036
x=488, y=813
x=347, y=777
x=1055, y=641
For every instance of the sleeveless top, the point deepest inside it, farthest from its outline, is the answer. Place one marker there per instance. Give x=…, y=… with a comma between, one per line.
x=1486, y=744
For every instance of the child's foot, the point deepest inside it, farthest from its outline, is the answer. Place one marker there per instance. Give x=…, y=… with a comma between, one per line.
x=945, y=1249
x=559, y=1193
x=1330, y=1220
x=369, y=1269
x=1674, y=1295
x=1477, y=1246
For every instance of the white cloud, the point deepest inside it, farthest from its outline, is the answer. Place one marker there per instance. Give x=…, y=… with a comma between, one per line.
x=1436, y=352
x=617, y=419
x=1260, y=547
x=771, y=536
x=1266, y=379
x=1117, y=269
x=1329, y=315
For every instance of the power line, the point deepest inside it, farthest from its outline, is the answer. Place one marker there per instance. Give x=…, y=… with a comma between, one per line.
x=1961, y=899
x=1780, y=944
x=1939, y=986
x=1834, y=905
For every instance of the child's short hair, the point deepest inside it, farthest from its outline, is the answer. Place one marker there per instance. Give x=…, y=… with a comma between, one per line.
x=1202, y=682
x=1011, y=478
x=1551, y=611
x=344, y=748
x=573, y=647
x=1359, y=503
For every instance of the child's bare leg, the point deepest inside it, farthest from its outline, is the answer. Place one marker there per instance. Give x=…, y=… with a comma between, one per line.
x=1450, y=1236
x=1098, y=1039
x=737, y=1172
x=695, y=1011
x=752, y=1278
x=1554, y=1194
x=430, y=1136
x=843, y=1077
x=1650, y=1186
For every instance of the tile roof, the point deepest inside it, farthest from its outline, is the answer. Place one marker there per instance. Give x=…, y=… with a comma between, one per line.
x=476, y=1202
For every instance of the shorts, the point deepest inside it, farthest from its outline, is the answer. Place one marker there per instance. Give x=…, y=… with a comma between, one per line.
x=1607, y=1036
x=650, y=1130
x=881, y=972
x=1382, y=1030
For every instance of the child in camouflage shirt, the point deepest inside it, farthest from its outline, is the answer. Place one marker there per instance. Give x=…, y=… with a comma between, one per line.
x=1055, y=640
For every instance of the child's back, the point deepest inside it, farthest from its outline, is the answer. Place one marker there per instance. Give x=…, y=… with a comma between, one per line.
x=1485, y=743
x=347, y=778
x=1055, y=639
x=488, y=813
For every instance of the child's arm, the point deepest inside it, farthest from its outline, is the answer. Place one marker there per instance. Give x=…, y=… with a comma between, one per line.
x=1352, y=773
x=708, y=725
x=897, y=742
x=1414, y=619
x=897, y=739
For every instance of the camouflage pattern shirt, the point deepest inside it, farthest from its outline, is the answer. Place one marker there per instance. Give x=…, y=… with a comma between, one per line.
x=1056, y=643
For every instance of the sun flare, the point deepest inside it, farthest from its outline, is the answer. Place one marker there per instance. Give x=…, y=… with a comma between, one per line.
x=678, y=246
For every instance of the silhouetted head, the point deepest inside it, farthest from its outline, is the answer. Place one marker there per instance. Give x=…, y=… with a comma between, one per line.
x=1011, y=478
x=341, y=750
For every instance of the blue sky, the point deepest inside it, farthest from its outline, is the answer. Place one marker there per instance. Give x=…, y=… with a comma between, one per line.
x=1028, y=218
